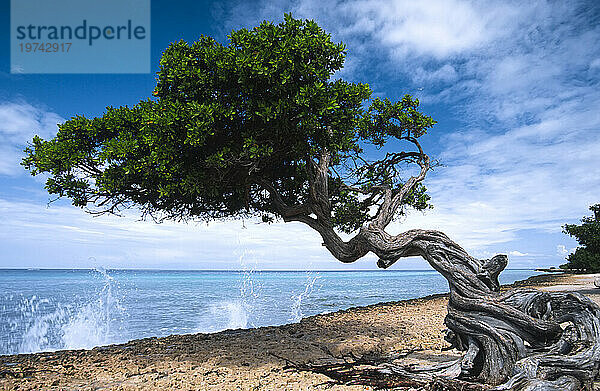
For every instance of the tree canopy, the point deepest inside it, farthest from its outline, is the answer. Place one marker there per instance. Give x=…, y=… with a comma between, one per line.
x=255, y=127
x=587, y=256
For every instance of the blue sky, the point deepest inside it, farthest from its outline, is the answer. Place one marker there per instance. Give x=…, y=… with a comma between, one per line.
x=513, y=85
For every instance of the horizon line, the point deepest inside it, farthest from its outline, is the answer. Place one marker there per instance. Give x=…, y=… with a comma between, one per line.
x=232, y=270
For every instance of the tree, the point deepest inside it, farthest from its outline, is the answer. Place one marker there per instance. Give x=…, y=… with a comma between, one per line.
x=587, y=256
x=259, y=127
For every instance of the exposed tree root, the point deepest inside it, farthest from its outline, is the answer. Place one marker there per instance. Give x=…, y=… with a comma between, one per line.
x=385, y=377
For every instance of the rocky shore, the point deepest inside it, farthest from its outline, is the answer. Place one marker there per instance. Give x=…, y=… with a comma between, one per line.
x=256, y=359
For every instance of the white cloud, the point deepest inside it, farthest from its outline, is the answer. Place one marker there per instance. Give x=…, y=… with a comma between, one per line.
x=433, y=28
x=437, y=28
x=64, y=236
x=446, y=74
x=562, y=251
x=19, y=122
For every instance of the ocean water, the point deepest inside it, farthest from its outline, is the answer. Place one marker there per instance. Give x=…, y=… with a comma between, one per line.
x=42, y=310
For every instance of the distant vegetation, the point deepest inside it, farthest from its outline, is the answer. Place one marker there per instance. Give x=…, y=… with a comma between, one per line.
x=587, y=256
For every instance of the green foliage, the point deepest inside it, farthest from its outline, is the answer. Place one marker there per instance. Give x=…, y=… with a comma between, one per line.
x=225, y=118
x=587, y=256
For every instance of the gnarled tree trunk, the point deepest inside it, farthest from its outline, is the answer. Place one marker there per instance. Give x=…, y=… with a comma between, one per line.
x=522, y=339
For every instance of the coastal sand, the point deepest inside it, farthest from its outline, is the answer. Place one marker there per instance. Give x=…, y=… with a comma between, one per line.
x=253, y=359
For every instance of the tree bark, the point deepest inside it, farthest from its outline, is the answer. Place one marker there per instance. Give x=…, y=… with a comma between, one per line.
x=522, y=339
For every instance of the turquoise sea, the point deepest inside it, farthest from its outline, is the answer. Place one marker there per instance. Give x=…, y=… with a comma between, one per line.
x=43, y=310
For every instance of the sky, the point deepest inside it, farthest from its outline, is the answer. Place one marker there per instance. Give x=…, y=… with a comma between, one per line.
x=512, y=84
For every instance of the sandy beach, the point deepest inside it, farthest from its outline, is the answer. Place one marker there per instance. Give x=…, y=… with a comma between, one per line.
x=256, y=359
